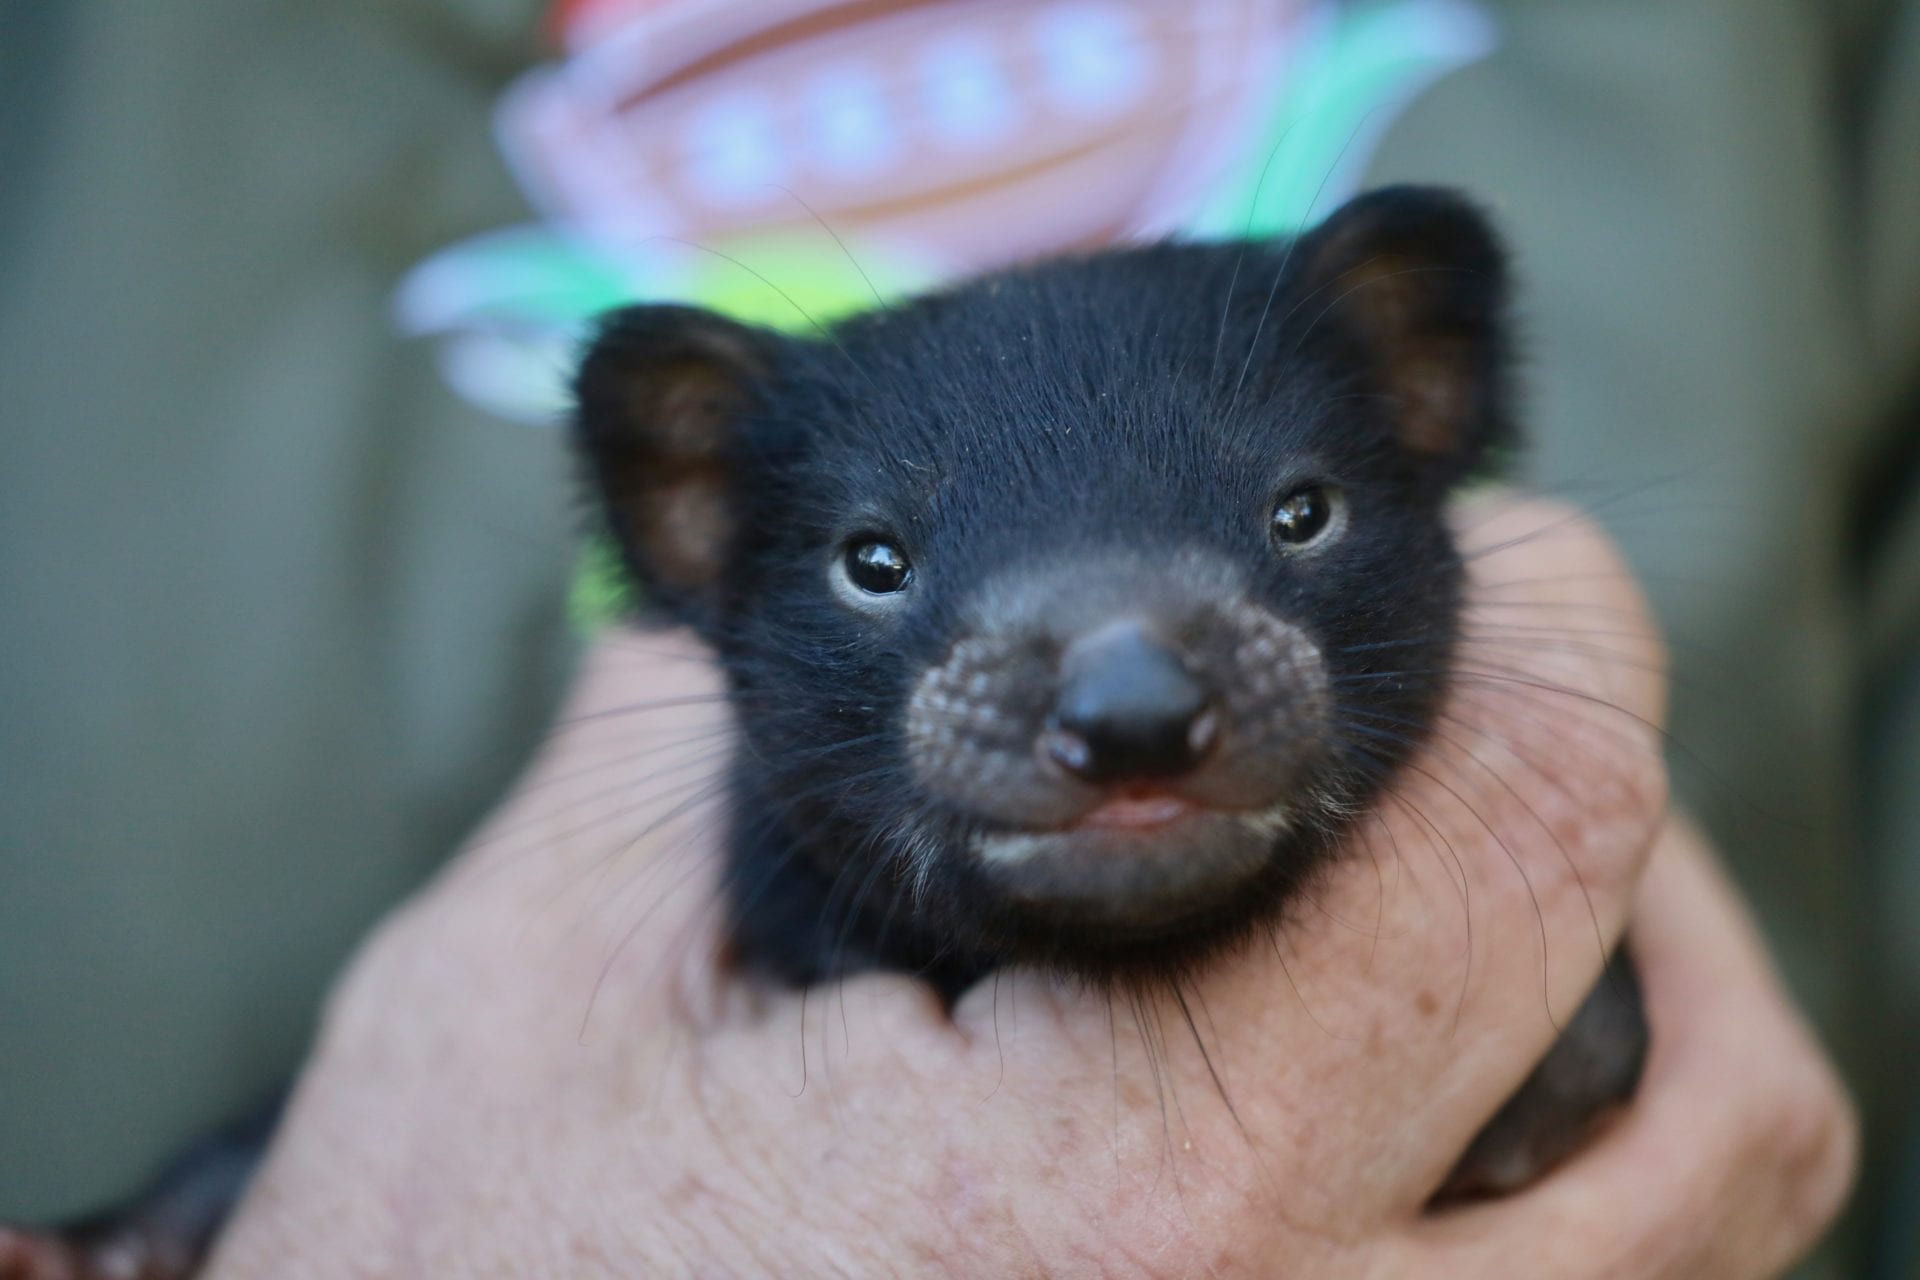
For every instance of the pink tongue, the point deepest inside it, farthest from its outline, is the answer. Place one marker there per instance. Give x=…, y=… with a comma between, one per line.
x=1139, y=814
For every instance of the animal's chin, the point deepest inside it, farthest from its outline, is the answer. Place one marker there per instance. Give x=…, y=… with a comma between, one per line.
x=1133, y=866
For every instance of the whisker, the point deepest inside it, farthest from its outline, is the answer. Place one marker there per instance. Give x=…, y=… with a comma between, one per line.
x=1286, y=259
x=824, y=333
x=848, y=253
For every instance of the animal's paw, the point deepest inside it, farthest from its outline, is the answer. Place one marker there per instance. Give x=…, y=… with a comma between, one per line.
x=30, y=1256
x=126, y=1254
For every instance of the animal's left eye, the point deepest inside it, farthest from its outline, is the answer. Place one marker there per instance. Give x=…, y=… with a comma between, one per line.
x=877, y=567
x=1304, y=515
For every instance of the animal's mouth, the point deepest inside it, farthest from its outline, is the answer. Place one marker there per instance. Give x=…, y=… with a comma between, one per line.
x=1142, y=813
x=1134, y=863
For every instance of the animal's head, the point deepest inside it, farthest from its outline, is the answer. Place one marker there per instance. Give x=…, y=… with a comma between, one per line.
x=1070, y=607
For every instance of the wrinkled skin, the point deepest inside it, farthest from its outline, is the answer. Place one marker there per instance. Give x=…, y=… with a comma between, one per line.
x=537, y=1068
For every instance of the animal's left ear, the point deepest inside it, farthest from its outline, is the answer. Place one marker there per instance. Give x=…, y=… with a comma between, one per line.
x=1417, y=280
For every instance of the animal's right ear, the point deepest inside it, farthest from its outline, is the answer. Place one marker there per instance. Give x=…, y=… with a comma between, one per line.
x=660, y=400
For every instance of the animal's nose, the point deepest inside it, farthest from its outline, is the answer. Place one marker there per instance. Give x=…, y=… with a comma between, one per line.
x=1128, y=709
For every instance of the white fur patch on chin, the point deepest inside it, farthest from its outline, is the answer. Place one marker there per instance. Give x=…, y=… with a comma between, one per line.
x=1010, y=850
x=1272, y=822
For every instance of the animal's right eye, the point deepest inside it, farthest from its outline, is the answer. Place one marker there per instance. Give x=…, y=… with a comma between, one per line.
x=877, y=567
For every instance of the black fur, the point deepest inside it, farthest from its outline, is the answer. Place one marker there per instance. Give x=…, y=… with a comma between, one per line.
x=1150, y=400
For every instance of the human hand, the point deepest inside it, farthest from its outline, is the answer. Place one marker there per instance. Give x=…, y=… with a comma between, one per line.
x=537, y=1068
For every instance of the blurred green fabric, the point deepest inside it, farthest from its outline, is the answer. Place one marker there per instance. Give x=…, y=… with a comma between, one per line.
x=279, y=616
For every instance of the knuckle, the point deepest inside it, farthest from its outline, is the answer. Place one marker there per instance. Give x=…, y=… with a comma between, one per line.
x=1610, y=804
x=362, y=996
x=1584, y=807
x=1816, y=1132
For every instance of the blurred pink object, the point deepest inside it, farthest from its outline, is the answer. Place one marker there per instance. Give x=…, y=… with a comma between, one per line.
x=958, y=133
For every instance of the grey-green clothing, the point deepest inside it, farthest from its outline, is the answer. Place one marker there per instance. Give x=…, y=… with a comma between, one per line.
x=281, y=615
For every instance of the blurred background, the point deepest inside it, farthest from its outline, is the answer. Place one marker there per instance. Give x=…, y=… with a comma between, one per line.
x=287, y=291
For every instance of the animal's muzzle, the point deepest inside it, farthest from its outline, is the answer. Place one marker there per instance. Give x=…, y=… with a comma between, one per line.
x=1114, y=680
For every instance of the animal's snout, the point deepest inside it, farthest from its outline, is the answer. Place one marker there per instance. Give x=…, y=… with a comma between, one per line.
x=1128, y=708
x=1126, y=682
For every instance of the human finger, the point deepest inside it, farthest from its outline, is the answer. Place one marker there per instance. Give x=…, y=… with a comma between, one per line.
x=1739, y=1147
